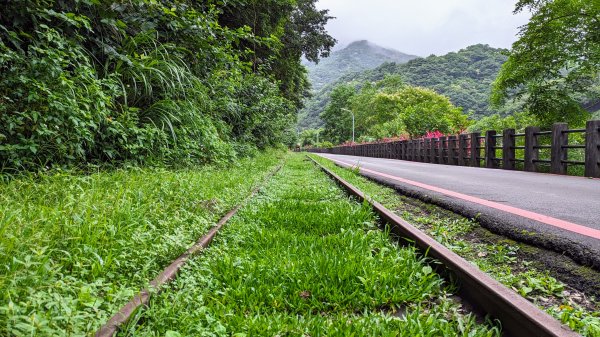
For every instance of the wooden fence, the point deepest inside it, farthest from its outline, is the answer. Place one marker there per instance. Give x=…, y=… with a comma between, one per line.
x=533, y=150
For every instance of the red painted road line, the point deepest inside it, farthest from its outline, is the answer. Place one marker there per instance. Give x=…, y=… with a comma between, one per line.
x=562, y=224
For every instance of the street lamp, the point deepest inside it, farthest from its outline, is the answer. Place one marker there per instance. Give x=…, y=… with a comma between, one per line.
x=350, y=111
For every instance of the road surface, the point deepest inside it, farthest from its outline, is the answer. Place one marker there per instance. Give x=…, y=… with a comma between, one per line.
x=557, y=212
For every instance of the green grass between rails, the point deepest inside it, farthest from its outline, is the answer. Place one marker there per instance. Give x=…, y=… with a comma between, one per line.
x=74, y=248
x=302, y=259
x=495, y=258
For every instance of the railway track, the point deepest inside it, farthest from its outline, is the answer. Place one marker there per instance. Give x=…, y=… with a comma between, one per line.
x=111, y=327
x=518, y=317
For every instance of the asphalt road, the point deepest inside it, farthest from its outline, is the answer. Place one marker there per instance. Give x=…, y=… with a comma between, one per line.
x=557, y=212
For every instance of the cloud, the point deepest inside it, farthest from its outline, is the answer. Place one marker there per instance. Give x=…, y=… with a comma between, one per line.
x=424, y=27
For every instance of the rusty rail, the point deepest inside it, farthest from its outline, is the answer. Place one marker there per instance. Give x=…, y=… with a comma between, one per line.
x=170, y=273
x=518, y=316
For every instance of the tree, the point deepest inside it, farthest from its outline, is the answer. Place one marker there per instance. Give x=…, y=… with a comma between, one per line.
x=389, y=108
x=283, y=31
x=417, y=110
x=555, y=60
x=338, y=122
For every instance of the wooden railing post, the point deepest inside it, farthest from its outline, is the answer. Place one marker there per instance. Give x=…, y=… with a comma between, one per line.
x=428, y=150
x=413, y=154
x=414, y=150
x=432, y=150
x=401, y=150
x=558, y=154
x=474, y=149
x=508, y=149
x=592, y=149
x=490, y=149
x=462, y=149
x=452, y=159
x=443, y=147
x=417, y=150
x=531, y=150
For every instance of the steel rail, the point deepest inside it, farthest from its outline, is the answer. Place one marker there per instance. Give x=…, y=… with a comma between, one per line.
x=170, y=273
x=518, y=316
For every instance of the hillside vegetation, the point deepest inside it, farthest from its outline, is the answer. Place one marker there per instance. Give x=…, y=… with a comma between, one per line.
x=465, y=77
x=96, y=82
x=357, y=56
x=389, y=108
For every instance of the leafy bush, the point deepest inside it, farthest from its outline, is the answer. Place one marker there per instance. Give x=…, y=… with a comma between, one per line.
x=150, y=81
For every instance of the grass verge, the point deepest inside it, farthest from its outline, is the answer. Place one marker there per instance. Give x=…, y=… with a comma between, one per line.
x=74, y=248
x=503, y=259
x=303, y=259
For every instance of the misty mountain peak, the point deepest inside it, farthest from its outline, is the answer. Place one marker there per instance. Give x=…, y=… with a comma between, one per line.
x=356, y=57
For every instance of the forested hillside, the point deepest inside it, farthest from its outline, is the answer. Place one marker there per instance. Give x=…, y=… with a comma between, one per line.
x=357, y=56
x=464, y=76
x=95, y=82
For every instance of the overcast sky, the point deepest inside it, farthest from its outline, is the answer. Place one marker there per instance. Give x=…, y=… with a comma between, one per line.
x=424, y=27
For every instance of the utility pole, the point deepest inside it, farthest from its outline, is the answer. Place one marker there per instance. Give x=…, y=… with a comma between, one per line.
x=352, y=113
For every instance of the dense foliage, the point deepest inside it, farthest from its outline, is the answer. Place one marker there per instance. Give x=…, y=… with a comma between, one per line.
x=151, y=81
x=389, y=108
x=465, y=77
x=555, y=63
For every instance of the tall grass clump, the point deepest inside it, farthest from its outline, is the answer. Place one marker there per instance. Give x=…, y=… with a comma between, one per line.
x=74, y=248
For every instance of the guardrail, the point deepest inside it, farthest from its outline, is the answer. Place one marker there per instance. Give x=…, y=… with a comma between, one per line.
x=532, y=151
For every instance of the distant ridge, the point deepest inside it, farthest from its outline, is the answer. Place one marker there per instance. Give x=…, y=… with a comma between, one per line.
x=356, y=57
x=464, y=76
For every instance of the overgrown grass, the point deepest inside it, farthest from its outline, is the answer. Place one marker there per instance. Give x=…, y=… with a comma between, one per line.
x=74, y=248
x=302, y=259
x=498, y=258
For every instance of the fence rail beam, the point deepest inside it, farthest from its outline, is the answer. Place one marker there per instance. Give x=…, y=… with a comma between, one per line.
x=466, y=149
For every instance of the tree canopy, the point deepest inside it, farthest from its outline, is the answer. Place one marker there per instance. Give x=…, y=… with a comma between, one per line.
x=554, y=64
x=389, y=108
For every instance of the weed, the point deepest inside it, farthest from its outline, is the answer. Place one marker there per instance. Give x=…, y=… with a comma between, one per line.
x=498, y=258
x=304, y=259
x=74, y=248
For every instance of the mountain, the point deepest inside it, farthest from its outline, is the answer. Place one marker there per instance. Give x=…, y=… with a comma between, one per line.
x=464, y=76
x=357, y=56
